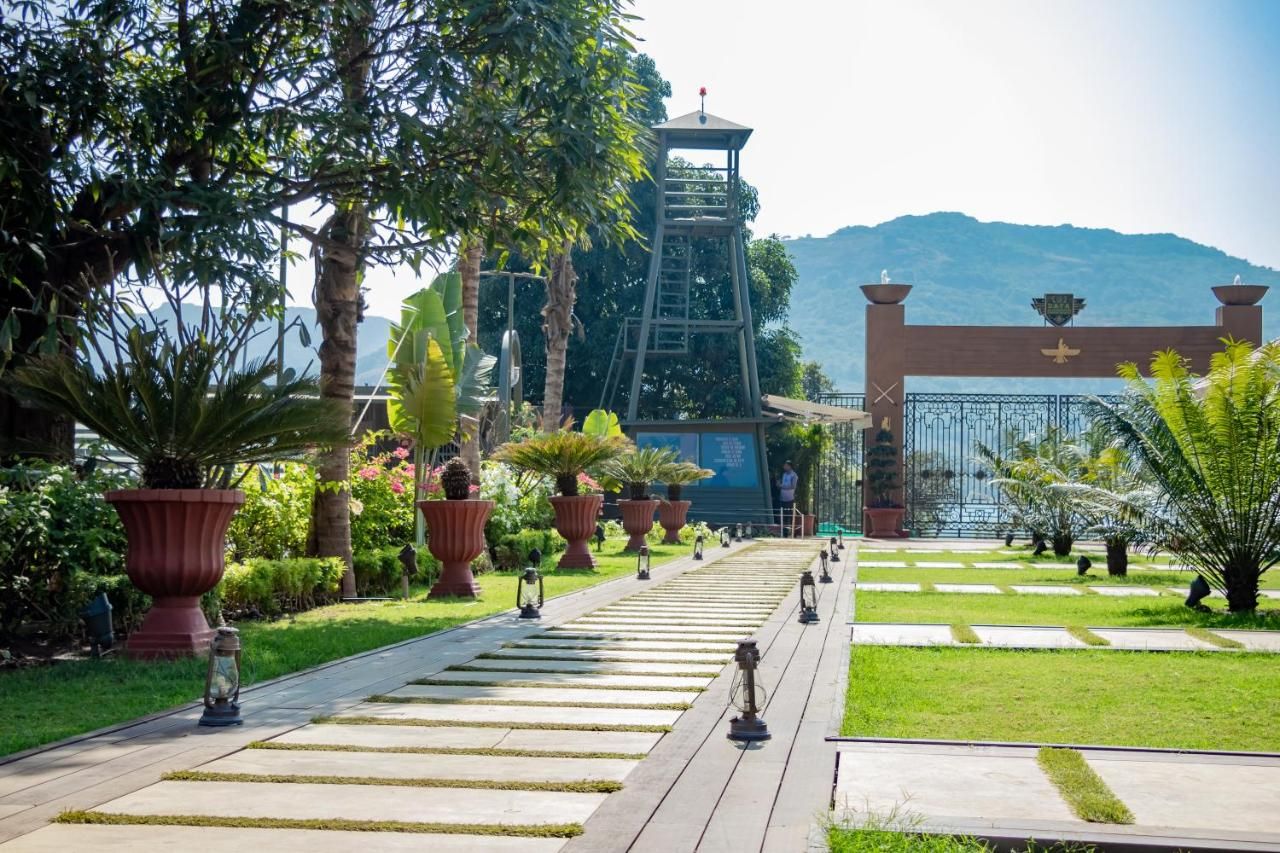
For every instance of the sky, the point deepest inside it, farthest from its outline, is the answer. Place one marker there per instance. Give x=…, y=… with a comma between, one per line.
x=1139, y=115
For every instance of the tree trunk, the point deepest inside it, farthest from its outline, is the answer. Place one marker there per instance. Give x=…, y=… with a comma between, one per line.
x=1242, y=588
x=557, y=324
x=1117, y=559
x=337, y=299
x=1062, y=543
x=469, y=261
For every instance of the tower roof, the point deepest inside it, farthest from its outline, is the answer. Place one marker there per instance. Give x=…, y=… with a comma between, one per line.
x=702, y=130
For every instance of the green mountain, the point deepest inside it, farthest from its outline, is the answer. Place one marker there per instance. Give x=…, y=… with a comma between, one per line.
x=986, y=273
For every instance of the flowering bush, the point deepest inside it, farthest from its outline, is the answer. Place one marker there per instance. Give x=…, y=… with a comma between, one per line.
x=520, y=501
x=382, y=510
x=273, y=522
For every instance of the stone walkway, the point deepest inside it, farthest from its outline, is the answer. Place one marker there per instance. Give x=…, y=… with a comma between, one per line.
x=1179, y=800
x=514, y=737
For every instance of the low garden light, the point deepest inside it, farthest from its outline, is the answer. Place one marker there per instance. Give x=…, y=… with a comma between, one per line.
x=808, y=598
x=599, y=537
x=1008, y=540
x=1083, y=565
x=750, y=534
x=724, y=537
x=97, y=625
x=737, y=533
x=1200, y=590
x=826, y=575
x=833, y=550
x=840, y=539
x=747, y=696
x=697, y=547
x=529, y=591
x=642, y=563
x=222, y=680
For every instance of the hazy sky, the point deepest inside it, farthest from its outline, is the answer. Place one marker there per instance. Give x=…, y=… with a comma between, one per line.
x=1138, y=115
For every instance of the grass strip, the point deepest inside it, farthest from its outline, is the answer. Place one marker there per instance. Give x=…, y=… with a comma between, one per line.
x=728, y=656
x=546, y=830
x=1207, y=636
x=488, y=724
x=1006, y=589
x=1086, y=636
x=448, y=682
x=1082, y=788
x=462, y=667
x=927, y=586
x=492, y=752
x=962, y=633
x=444, y=700
x=580, y=786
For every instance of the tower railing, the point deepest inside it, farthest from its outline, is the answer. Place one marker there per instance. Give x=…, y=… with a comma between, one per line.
x=699, y=193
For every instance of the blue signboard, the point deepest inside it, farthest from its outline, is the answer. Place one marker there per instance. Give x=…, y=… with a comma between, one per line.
x=685, y=442
x=732, y=456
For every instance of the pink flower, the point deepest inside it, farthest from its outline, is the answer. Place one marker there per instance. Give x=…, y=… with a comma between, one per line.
x=368, y=473
x=584, y=480
x=401, y=453
x=397, y=487
x=474, y=488
x=408, y=470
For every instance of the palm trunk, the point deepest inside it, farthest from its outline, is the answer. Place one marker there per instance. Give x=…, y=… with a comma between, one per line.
x=1242, y=587
x=337, y=298
x=1062, y=543
x=557, y=324
x=1117, y=559
x=469, y=261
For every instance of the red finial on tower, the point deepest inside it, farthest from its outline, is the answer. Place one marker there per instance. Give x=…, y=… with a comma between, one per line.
x=702, y=93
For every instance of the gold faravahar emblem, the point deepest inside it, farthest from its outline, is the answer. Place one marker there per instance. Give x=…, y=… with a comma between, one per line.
x=1061, y=353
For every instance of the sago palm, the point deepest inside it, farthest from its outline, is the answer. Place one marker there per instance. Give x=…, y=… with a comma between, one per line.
x=1212, y=445
x=640, y=467
x=561, y=455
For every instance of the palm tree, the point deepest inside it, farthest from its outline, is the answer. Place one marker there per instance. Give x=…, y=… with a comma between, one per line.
x=1030, y=477
x=470, y=258
x=1212, y=445
x=557, y=324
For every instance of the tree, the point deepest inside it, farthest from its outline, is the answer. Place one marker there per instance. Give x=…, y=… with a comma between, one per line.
x=1212, y=446
x=814, y=383
x=557, y=324
x=1030, y=476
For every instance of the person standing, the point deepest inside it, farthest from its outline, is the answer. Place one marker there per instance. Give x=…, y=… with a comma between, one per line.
x=787, y=496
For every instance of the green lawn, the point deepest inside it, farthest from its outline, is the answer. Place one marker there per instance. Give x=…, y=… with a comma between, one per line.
x=1189, y=700
x=1011, y=555
x=847, y=840
x=44, y=704
x=1097, y=576
x=1089, y=610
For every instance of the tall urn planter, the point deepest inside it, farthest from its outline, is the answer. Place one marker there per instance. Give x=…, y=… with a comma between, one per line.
x=177, y=542
x=455, y=537
x=576, y=521
x=672, y=515
x=883, y=522
x=637, y=520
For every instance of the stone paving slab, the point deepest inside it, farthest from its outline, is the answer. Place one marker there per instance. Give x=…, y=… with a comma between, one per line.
x=936, y=564
x=1125, y=591
x=463, y=714
x=1261, y=641
x=887, y=587
x=356, y=802
x=1071, y=566
x=882, y=564
x=649, y=636
x=464, y=737
x=543, y=695
x=1184, y=590
x=615, y=654
x=391, y=765
x=1018, y=637
x=683, y=605
x=886, y=634
x=1011, y=564
x=1153, y=639
x=1045, y=589
x=643, y=627
x=572, y=679
x=67, y=838
x=690, y=615
x=970, y=588
x=700, y=622
x=654, y=645
x=611, y=667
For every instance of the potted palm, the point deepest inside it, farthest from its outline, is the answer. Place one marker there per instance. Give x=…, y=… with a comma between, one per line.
x=180, y=401
x=884, y=514
x=673, y=512
x=564, y=456
x=438, y=382
x=636, y=471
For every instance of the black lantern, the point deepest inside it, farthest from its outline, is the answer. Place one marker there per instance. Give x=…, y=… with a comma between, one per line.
x=840, y=539
x=825, y=577
x=529, y=593
x=833, y=550
x=642, y=563
x=737, y=533
x=1200, y=590
x=746, y=696
x=1083, y=565
x=409, y=567
x=599, y=537
x=749, y=534
x=697, y=547
x=222, y=680
x=97, y=624
x=808, y=598
x=724, y=537
x=1008, y=540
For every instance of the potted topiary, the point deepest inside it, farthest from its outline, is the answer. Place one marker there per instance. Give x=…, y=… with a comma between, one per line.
x=673, y=512
x=457, y=530
x=563, y=456
x=636, y=470
x=173, y=399
x=884, y=514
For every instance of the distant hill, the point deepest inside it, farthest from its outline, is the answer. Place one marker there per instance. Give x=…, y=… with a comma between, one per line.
x=986, y=273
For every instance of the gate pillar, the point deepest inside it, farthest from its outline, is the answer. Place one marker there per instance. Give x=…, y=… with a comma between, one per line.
x=886, y=367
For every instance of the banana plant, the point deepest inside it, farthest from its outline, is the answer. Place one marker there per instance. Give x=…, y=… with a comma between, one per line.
x=438, y=381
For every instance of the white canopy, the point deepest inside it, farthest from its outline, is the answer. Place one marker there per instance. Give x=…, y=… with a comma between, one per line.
x=816, y=412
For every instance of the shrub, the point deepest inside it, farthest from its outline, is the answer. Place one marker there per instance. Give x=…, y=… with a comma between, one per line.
x=382, y=509
x=520, y=501
x=511, y=551
x=276, y=514
x=272, y=587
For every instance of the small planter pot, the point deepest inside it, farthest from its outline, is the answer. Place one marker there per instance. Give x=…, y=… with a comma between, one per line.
x=637, y=520
x=177, y=542
x=455, y=538
x=884, y=522
x=672, y=516
x=576, y=521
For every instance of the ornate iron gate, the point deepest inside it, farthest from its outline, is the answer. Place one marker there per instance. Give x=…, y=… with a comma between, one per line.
x=838, y=492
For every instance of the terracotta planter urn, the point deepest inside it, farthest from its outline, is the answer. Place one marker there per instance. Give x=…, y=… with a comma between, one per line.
x=455, y=537
x=672, y=516
x=884, y=522
x=637, y=520
x=177, y=544
x=576, y=522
